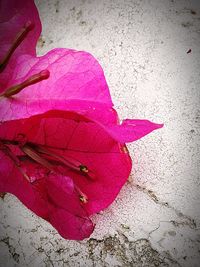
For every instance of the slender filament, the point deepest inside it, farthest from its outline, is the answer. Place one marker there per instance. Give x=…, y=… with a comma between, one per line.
x=15, y=89
x=17, y=41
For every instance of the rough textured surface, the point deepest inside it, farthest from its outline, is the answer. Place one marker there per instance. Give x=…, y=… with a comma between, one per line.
x=155, y=221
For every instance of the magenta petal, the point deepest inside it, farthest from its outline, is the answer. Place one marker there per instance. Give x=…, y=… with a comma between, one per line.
x=76, y=83
x=14, y=14
x=70, y=226
x=61, y=191
x=12, y=181
x=46, y=199
x=68, y=155
x=132, y=130
x=73, y=76
x=85, y=141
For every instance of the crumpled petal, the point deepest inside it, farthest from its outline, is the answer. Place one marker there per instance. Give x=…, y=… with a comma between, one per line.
x=51, y=197
x=70, y=226
x=12, y=181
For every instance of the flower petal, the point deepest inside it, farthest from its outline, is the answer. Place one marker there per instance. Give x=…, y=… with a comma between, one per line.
x=132, y=130
x=76, y=83
x=51, y=197
x=82, y=140
x=70, y=226
x=73, y=75
x=13, y=16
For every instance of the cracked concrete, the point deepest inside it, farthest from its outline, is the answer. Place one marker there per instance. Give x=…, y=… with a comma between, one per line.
x=185, y=220
x=150, y=54
x=120, y=251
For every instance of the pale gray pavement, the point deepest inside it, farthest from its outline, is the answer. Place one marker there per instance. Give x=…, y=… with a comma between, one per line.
x=142, y=46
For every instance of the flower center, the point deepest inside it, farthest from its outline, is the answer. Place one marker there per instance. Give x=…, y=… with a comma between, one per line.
x=68, y=161
x=17, y=41
x=45, y=158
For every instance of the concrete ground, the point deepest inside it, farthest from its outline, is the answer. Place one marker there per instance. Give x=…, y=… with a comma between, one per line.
x=150, y=52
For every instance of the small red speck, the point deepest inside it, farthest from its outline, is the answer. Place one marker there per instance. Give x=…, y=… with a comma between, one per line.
x=193, y=12
x=189, y=51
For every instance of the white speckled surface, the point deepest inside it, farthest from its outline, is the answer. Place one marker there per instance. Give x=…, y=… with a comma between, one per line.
x=155, y=221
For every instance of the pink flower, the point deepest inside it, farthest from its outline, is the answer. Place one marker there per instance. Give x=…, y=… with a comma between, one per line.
x=62, y=147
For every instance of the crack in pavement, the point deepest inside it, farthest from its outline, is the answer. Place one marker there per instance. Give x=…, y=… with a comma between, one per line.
x=129, y=253
x=11, y=249
x=190, y=222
